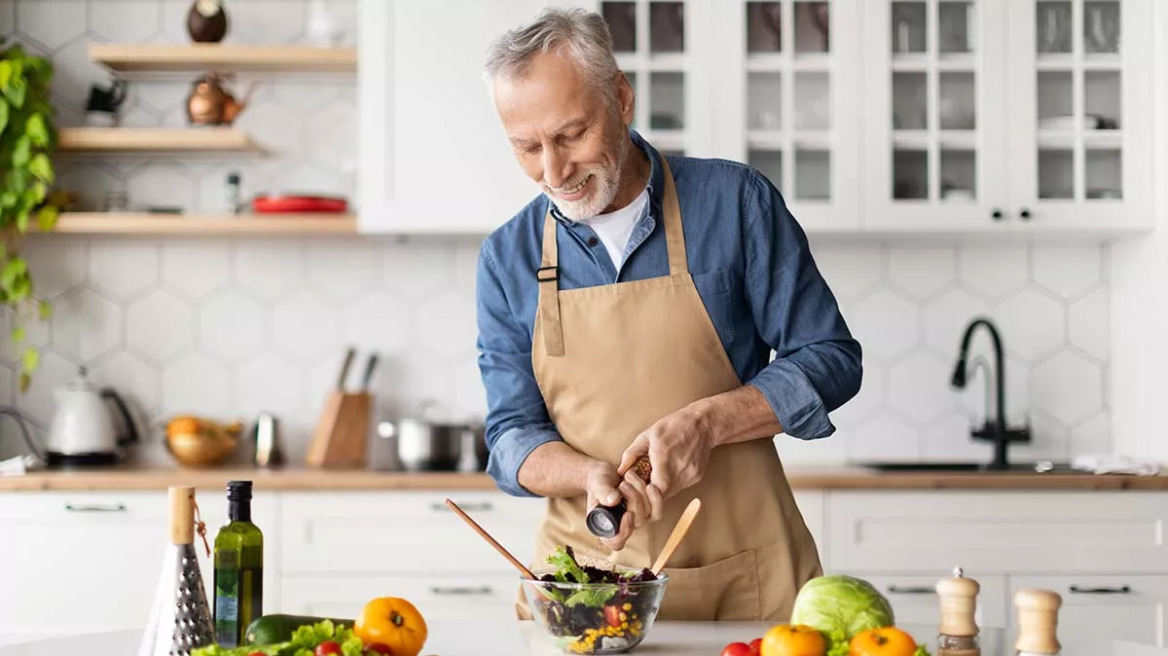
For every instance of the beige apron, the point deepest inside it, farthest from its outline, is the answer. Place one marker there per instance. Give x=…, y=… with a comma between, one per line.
x=610, y=361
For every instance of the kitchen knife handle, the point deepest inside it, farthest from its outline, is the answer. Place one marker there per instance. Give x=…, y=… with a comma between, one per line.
x=1123, y=589
x=117, y=507
x=922, y=589
x=485, y=506
x=459, y=591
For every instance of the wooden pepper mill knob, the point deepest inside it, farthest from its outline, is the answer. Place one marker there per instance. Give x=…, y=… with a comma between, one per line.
x=1037, y=621
x=958, y=601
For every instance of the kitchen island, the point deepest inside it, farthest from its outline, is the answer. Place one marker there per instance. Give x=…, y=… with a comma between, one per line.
x=477, y=638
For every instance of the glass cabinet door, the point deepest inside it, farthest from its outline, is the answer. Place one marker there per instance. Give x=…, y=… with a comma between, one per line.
x=787, y=95
x=1079, y=144
x=654, y=41
x=934, y=122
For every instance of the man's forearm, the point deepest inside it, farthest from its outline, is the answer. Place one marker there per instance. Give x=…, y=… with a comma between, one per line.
x=555, y=470
x=738, y=415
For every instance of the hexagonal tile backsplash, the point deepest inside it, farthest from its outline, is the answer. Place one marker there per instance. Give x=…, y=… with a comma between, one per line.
x=229, y=328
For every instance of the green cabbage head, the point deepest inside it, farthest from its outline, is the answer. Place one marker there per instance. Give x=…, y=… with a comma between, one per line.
x=841, y=606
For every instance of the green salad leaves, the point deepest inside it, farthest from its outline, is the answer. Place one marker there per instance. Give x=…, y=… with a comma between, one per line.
x=303, y=643
x=569, y=571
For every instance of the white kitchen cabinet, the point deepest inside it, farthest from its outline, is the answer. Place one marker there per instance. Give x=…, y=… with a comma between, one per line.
x=788, y=82
x=1008, y=115
x=998, y=532
x=102, y=550
x=403, y=533
x=1131, y=607
x=482, y=596
x=433, y=153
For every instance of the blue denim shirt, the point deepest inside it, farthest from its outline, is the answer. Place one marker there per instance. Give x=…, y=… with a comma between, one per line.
x=753, y=271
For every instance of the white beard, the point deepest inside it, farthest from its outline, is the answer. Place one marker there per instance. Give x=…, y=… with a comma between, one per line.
x=605, y=187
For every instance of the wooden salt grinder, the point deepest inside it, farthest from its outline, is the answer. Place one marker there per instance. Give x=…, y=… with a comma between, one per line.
x=958, y=631
x=1037, y=621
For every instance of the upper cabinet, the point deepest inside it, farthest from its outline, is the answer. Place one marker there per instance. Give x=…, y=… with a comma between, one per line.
x=433, y=154
x=870, y=116
x=1029, y=115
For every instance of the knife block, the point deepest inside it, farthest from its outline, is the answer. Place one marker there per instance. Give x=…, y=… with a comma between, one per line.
x=342, y=432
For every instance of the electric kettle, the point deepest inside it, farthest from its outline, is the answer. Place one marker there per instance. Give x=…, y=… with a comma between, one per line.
x=83, y=431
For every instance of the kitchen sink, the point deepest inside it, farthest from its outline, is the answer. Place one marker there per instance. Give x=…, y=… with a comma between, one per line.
x=1040, y=467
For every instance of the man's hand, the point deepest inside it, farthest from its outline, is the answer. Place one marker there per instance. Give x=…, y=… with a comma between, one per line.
x=605, y=487
x=678, y=447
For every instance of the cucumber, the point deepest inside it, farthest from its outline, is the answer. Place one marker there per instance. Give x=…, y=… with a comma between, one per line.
x=274, y=629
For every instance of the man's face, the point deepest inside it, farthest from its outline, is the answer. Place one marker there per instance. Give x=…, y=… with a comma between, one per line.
x=565, y=134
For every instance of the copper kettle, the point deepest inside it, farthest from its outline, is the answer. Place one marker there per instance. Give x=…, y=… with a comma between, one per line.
x=209, y=103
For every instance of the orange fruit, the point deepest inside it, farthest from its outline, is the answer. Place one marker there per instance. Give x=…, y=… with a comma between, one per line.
x=394, y=623
x=884, y=641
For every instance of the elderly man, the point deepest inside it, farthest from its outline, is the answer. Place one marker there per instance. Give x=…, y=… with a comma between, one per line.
x=631, y=310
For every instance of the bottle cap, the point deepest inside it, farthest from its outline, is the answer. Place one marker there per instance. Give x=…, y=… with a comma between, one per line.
x=239, y=490
x=958, y=600
x=1037, y=621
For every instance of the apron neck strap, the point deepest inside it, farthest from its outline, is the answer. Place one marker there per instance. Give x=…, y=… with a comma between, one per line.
x=674, y=236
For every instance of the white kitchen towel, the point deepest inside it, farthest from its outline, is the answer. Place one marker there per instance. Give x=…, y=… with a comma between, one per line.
x=1109, y=464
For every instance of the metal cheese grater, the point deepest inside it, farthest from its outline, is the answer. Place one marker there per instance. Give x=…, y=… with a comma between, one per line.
x=180, y=619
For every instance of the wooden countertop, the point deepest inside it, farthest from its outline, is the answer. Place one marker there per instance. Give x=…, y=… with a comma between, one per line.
x=299, y=479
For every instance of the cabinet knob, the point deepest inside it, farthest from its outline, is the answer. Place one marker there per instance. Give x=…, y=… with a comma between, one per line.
x=1025, y=214
x=910, y=589
x=119, y=507
x=997, y=214
x=485, y=506
x=460, y=591
x=1123, y=589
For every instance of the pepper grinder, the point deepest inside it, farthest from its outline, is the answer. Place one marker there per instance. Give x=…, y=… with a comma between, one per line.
x=1037, y=622
x=604, y=521
x=958, y=633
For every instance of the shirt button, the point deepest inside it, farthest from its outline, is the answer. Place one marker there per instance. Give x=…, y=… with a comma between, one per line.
x=592, y=241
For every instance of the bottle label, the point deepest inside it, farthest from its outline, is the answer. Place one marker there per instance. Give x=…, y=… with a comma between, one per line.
x=227, y=607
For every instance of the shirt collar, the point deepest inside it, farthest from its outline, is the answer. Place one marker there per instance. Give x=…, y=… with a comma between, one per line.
x=656, y=178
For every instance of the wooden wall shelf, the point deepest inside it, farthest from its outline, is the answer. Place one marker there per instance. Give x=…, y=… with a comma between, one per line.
x=162, y=57
x=193, y=139
x=141, y=223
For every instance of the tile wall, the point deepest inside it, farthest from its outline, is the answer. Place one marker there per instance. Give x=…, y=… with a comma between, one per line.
x=229, y=328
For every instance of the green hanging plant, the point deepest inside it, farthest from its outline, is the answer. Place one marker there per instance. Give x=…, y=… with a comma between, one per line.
x=27, y=141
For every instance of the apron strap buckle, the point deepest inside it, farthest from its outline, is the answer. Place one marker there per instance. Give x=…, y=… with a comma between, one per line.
x=542, y=274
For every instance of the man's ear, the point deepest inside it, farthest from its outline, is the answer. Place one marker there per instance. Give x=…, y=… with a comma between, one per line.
x=626, y=98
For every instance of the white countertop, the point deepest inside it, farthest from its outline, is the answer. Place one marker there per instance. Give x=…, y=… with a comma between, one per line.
x=519, y=638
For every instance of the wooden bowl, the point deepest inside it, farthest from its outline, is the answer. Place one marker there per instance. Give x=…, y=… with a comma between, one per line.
x=196, y=450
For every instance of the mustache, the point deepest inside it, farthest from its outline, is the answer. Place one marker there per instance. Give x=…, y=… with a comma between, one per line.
x=569, y=184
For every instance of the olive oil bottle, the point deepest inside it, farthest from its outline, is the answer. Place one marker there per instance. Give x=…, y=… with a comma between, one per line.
x=239, y=569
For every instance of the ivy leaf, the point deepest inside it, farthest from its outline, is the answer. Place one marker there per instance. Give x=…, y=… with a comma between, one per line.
x=31, y=358
x=5, y=75
x=22, y=288
x=16, y=181
x=3, y=116
x=17, y=88
x=12, y=271
x=44, y=310
x=22, y=152
x=25, y=380
x=47, y=218
x=41, y=167
x=8, y=199
x=39, y=192
x=22, y=220
x=18, y=335
x=36, y=129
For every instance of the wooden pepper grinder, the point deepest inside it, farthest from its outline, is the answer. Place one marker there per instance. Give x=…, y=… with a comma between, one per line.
x=1037, y=622
x=958, y=632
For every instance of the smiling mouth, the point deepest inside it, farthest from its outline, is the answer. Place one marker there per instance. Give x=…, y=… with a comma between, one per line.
x=578, y=188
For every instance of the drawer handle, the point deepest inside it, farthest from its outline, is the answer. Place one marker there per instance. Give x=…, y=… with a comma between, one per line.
x=117, y=507
x=896, y=589
x=1125, y=589
x=484, y=506
x=483, y=591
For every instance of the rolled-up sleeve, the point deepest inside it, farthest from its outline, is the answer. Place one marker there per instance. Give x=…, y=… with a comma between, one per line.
x=517, y=420
x=817, y=364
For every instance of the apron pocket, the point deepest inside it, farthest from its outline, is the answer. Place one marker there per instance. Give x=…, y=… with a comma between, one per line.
x=724, y=590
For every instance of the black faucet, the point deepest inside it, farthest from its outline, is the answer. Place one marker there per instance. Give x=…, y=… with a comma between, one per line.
x=994, y=429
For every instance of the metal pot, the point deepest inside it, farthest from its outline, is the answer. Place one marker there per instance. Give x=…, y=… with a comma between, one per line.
x=419, y=445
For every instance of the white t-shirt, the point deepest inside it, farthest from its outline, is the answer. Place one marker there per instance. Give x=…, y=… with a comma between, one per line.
x=615, y=228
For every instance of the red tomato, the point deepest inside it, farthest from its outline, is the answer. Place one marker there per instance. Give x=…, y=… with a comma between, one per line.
x=756, y=647
x=378, y=648
x=328, y=647
x=737, y=649
x=257, y=653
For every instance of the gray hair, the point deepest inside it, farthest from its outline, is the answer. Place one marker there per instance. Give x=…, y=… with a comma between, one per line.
x=581, y=33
